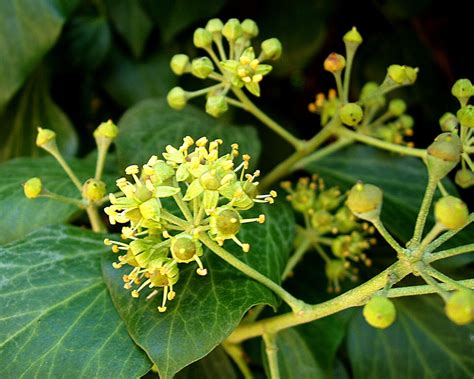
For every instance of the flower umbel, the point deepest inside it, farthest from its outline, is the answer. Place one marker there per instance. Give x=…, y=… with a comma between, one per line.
x=209, y=188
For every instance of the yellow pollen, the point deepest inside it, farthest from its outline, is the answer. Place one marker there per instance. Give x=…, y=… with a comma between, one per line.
x=201, y=271
x=115, y=249
x=244, y=60
x=257, y=78
x=247, y=79
x=254, y=64
x=245, y=247
x=133, y=169
x=261, y=219
x=135, y=294
x=171, y=295
x=161, y=309
x=273, y=193
x=242, y=72
x=201, y=142
x=116, y=265
x=233, y=220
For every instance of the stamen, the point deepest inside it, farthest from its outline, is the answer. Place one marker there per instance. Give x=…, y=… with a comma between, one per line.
x=245, y=246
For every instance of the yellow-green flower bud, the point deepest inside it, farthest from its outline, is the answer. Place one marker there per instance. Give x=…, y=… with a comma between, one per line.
x=179, y=64
x=464, y=178
x=177, y=98
x=106, y=130
x=202, y=38
x=46, y=138
x=214, y=26
x=32, y=188
x=249, y=28
x=365, y=201
x=397, y=107
x=460, y=307
x=406, y=121
x=334, y=63
x=462, y=90
x=216, y=105
x=466, y=116
x=232, y=29
x=443, y=155
x=451, y=212
x=402, y=75
x=335, y=269
x=271, y=49
x=352, y=37
x=379, y=312
x=351, y=114
x=93, y=190
x=369, y=97
x=202, y=67
x=448, y=122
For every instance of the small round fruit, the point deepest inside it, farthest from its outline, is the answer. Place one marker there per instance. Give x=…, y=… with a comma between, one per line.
x=379, y=312
x=460, y=307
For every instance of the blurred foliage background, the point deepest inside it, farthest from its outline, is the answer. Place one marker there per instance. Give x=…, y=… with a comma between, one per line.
x=70, y=64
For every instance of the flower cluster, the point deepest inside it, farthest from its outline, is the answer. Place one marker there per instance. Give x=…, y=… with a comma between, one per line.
x=210, y=191
x=330, y=225
x=233, y=68
x=462, y=124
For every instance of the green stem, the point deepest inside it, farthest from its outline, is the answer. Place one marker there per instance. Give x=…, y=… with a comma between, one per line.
x=296, y=257
x=350, y=53
x=234, y=102
x=295, y=304
x=443, y=278
x=426, y=289
x=100, y=163
x=286, y=166
x=321, y=252
x=433, y=233
x=344, y=132
x=322, y=153
x=167, y=216
x=57, y=155
x=450, y=252
x=237, y=354
x=63, y=199
x=203, y=91
x=95, y=220
x=436, y=286
x=446, y=236
x=355, y=297
x=340, y=90
x=424, y=210
x=183, y=207
x=387, y=236
x=277, y=128
x=271, y=349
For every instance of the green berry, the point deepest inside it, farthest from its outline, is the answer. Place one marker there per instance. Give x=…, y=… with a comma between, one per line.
x=443, y=155
x=180, y=64
x=397, y=107
x=451, y=212
x=460, y=307
x=466, y=116
x=448, y=122
x=202, y=67
x=271, y=49
x=32, y=188
x=379, y=312
x=202, y=38
x=93, y=190
x=365, y=201
x=351, y=114
x=177, y=98
x=216, y=105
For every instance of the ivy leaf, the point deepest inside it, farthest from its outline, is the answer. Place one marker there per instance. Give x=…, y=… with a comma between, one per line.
x=129, y=81
x=402, y=179
x=214, y=365
x=422, y=343
x=57, y=319
x=132, y=23
x=206, y=309
x=20, y=215
x=28, y=29
x=295, y=359
x=30, y=108
x=148, y=127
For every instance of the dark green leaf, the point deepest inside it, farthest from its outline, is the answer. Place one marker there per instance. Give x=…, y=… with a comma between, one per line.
x=28, y=29
x=214, y=365
x=131, y=22
x=88, y=41
x=128, y=81
x=402, y=179
x=295, y=359
x=56, y=319
x=422, y=343
x=206, y=309
x=21, y=215
x=147, y=128
x=30, y=108
x=173, y=16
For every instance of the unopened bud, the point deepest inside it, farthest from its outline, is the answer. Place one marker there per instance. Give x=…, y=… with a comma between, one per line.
x=177, y=98
x=32, y=188
x=464, y=178
x=180, y=64
x=106, y=130
x=379, y=312
x=402, y=75
x=365, y=201
x=466, y=116
x=443, y=155
x=249, y=28
x=202, y=38
x=216, y=105
x=462, y=90
x=352, y=37
x=334, y=63
x=397, y=107
x=214, y=26
x=448, y=122
x=93, y=190
x=271, y=49
x=460, y=307
x=232, y=29
x=451, y=212
x=351, y=114
x=202, y=67
x=46, y=138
